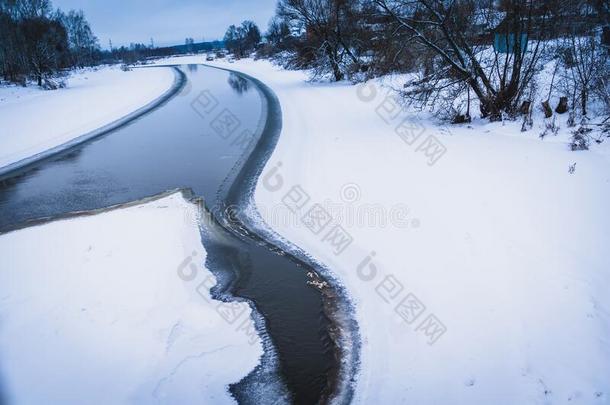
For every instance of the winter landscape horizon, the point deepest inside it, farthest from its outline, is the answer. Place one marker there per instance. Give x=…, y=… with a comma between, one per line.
x=305, y=202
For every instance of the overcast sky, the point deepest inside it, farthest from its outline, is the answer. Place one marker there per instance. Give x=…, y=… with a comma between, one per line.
x=167, y=22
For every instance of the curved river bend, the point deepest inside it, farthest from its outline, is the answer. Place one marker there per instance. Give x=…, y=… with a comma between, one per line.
x=187, y=144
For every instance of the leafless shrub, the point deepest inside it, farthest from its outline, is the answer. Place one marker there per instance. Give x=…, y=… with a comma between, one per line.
x=550, y=127
x=581, y=139
x=53, y=83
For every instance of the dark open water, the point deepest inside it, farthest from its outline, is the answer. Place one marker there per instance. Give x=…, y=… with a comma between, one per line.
x=173, y=147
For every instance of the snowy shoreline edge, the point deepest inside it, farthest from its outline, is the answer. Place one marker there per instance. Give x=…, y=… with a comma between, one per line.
x=186, y=193
x=337, y=305
x=23, y=164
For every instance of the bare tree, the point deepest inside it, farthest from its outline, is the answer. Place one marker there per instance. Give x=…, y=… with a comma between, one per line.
x=81, y=40
x=586, y=63
x=329, y=33
x=36, y=42
x=456, y=34
x=32, y=8
x=46, y=46
x=279, y=34
x=243, y=39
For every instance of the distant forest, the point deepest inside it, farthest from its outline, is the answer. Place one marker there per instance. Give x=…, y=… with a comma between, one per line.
x=460, y=56
x=39, y=42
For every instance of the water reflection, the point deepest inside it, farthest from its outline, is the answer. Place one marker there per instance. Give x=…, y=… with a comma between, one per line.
x=239, y=84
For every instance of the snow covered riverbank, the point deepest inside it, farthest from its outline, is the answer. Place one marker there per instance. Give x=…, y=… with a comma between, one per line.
x=33, y=120
x=476, y=259
x=115, y=308
x=475, y=256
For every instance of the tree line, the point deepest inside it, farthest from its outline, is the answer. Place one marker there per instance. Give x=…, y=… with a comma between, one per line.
x=458, y=54
x=139, y=53
x=37, y=41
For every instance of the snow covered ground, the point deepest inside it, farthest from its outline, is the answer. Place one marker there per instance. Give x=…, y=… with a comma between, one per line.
x=115, y=308
x=476, y=256
x=33, y=120
x=488, y=281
